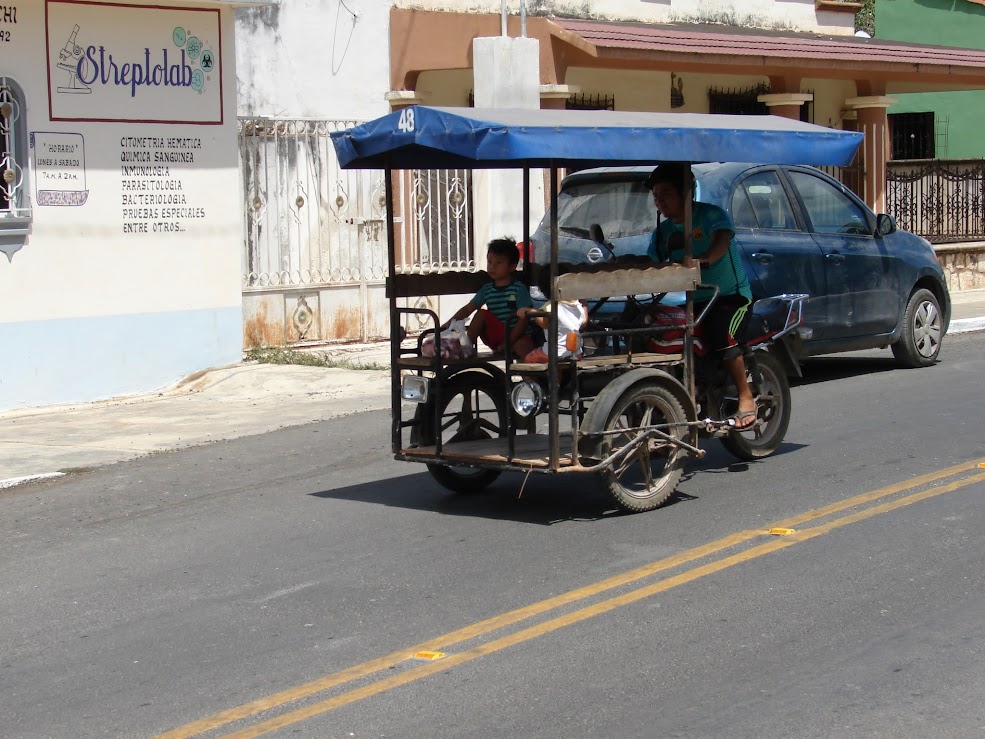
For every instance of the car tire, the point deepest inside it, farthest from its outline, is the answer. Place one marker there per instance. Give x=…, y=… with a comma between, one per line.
x=923, y=330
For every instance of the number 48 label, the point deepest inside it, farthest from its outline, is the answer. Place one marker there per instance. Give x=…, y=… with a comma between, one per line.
x=406, y=121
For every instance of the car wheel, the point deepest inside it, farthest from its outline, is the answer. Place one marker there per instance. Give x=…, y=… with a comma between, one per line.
x=923, y=329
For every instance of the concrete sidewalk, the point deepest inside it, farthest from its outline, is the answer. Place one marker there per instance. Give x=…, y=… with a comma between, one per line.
x=221, y=403
x=226, y=403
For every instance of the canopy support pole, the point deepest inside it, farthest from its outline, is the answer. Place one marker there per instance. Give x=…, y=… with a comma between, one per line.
x=554, y=422
x=391, y=241
x=689, y=381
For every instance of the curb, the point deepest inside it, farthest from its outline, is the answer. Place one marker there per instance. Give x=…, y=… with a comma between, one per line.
x=965, y=325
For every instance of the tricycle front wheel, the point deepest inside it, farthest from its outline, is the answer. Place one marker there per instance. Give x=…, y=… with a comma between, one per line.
x=463, y=479
x=473, y=407
x=647, y=476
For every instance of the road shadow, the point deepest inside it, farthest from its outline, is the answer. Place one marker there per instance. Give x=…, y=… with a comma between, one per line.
x=841, y=367
x=539, y=499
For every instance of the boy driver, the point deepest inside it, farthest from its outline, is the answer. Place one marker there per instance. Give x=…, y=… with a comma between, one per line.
x=712, y=246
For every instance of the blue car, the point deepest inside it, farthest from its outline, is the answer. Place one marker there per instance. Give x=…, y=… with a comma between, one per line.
x=799, y=231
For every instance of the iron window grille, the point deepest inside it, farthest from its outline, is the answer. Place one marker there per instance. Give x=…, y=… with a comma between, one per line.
x=15, y=210
x=912, y=136
x=745, y=101
x=582, y=101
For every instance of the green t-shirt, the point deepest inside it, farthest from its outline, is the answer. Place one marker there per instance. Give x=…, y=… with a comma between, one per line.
x=727, y=272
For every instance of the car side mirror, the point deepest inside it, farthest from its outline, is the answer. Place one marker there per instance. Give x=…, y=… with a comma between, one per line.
x=885, y=224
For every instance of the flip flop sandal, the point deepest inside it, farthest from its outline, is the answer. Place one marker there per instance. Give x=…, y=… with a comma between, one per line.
x=739, y=417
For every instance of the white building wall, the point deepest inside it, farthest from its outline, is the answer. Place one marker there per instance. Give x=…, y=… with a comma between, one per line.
x=128, y=279
x=331, y=58
x=770, y=14
x=314, y=59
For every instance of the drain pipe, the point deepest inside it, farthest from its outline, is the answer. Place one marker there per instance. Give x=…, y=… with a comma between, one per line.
x=503, y=14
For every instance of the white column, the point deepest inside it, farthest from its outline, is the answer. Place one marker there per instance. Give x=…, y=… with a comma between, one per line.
x=506, y=75
x=785, y=104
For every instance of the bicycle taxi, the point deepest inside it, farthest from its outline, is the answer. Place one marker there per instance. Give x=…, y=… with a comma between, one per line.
x=629, y=415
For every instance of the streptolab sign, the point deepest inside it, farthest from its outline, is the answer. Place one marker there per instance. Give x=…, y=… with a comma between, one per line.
x=134, y=63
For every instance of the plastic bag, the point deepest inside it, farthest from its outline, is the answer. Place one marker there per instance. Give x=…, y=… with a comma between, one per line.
x=454, y=343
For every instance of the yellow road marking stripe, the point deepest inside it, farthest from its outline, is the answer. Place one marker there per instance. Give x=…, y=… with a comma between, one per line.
x=583, y=614
x=509, y=618
x=466, y=633
x=882, y=492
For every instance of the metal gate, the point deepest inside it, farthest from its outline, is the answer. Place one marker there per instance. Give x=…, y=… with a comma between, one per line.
x=315, y=253
x=943, y=200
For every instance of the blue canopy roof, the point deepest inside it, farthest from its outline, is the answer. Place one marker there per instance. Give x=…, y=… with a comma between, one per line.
x=442, y=138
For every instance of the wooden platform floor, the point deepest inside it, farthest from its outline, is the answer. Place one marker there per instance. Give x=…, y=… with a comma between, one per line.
x=530, y=450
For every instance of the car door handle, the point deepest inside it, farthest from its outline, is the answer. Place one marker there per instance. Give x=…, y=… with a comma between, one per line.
x=762, y=256
x=836, y=258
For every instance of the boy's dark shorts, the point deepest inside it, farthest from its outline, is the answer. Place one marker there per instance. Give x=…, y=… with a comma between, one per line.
x=725, y=321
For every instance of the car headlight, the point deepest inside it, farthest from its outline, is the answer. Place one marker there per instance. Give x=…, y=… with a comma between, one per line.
x=414, y=388
x=527, y=398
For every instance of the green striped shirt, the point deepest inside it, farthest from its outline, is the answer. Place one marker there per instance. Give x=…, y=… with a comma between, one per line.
x=497, y=300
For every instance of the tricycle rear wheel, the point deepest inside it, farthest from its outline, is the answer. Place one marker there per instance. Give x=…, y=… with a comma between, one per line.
x=772, y=390
x=646, y=477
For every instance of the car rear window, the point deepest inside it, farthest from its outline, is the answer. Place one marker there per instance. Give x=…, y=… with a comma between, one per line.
x=620, y=208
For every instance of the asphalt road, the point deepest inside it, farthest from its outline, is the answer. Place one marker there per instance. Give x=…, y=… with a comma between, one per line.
x=284, y=583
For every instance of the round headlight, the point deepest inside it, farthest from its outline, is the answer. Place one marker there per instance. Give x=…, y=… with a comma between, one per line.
x=526, y=398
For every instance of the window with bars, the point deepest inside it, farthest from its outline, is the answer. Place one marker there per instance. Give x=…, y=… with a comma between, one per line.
x=745, y=101
x=737, y=101
x=590, y=102
x=14, y=208
x=912, y=135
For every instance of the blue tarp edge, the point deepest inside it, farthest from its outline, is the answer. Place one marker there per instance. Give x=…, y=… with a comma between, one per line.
x=428, y=138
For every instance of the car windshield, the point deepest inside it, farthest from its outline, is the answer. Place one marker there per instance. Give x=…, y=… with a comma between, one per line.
x=620, y=208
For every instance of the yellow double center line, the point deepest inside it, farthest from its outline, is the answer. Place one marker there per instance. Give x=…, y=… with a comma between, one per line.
x=482, y=628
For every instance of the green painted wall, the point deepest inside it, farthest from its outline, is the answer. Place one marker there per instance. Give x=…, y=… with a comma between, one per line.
x=942, y=23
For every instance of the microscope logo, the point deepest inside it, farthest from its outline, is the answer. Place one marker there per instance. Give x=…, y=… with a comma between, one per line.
x=186, y=63
x=70, y=60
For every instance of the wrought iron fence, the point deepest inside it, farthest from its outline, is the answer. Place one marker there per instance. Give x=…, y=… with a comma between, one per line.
x=439, y=234
x=302, y=212
x=308, y=222
x=942, y=200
